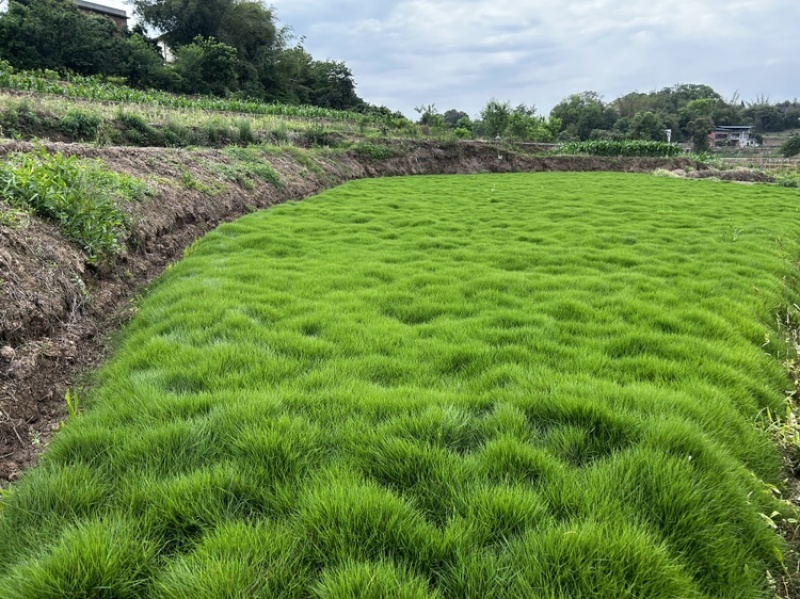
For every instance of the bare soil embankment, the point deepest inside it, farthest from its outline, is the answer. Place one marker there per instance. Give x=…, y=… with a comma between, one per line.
x=57, y=313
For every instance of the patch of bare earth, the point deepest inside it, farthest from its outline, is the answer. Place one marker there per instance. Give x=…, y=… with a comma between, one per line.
x=57, y=313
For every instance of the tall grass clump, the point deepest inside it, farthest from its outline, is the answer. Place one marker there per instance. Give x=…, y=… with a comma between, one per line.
x=550, y=385
x=83, y=197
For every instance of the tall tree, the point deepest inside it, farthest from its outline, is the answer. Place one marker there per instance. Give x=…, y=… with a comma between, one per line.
x=333, y=86
x=180, y=21
x=268, y=66
x=206, y=66
x=582, y=114
x=647, y=126
x=495, y=117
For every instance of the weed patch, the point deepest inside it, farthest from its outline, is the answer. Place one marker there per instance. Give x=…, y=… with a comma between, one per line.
x=376, y=151
x=83, y=197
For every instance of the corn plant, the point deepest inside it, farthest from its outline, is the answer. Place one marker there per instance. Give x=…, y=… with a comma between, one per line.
x=628, y=148
x=94, y=88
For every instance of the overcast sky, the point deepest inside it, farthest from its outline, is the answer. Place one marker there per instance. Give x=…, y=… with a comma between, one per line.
x=461, y=53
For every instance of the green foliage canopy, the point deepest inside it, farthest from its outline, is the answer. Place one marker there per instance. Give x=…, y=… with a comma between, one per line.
x=53, y=34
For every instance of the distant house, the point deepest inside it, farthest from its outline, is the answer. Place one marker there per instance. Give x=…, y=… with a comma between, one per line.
x=119, y=16
x=734, y=135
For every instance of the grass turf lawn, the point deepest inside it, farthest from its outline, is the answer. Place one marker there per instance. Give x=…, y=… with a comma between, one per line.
x=540, y=386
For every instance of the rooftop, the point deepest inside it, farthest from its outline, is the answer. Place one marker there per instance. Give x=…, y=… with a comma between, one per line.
x=101, y=8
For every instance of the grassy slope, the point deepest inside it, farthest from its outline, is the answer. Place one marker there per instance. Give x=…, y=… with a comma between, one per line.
x=489, y=386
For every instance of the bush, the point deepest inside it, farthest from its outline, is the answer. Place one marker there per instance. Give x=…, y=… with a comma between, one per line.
x=78, y=124
x=138, y=131
x=791, y=146
x=373, y=151
x=19, y=120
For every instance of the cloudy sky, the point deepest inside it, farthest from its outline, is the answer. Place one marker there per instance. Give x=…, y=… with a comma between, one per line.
x=461, y=53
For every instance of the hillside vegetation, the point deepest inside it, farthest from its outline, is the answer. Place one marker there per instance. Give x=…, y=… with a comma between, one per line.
x=521, y=386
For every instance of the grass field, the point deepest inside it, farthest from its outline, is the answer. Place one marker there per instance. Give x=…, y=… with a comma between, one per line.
x=542, y=386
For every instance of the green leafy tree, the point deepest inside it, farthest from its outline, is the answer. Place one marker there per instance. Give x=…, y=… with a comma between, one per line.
x=206, y=66
x=453, y=117
x=429, y=116
x=495, y=118
x=270, y=66
x=521, y=122
x=465, y=123
x=791, y=147
x=580, y=114
x=647, y=126
x=144, y=67
x=286, y=75
x=181, y=21
x=699, y=129
x=332, y=86
x=53, y=34
x=246, y=25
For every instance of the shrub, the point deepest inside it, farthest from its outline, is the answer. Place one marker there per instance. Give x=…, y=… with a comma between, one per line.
x=19, y=120
x=791, y=147
x=78, y=124
x=138, y=131
x=373, y=151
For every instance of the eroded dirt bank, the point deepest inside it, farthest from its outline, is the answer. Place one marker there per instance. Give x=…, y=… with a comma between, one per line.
x=57, y=313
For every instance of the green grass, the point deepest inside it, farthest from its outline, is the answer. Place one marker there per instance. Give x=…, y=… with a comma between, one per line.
x=541, y=386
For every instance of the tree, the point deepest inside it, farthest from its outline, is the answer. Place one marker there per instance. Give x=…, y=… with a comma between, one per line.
x=495, y=117
x=53, y=34
x=647, y=126
x=453, y=117
x=286, y=75
x=429, y=116
x=206, y=66
x=521, y=121
x=580, y=114
x=245, y=25
x=698, y=129
x=180, y=21
x=144, y=66
x=791, y=147
x=332, y=86
x=270, y=65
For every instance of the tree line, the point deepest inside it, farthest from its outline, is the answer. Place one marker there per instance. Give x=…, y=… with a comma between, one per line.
x=689, y=111
x=220, y=47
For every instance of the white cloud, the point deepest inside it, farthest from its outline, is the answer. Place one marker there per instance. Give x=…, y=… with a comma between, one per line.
x=461, y=53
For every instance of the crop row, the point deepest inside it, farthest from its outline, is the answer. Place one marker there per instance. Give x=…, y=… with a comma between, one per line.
x=654, y=149
x=93, y=88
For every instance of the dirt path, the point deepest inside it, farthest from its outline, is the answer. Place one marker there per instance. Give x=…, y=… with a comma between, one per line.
x=57, y=315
